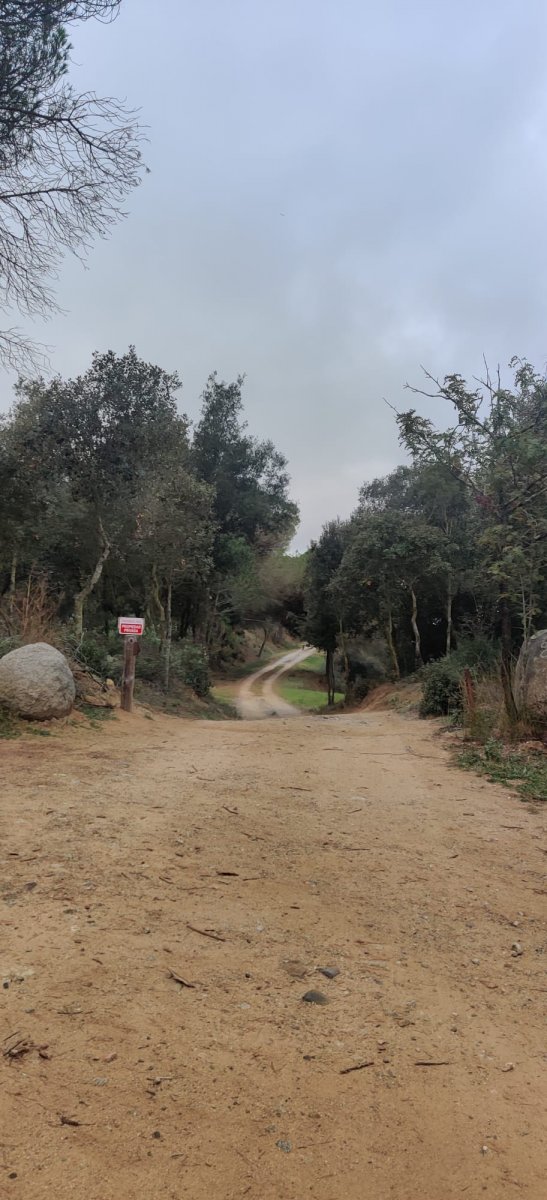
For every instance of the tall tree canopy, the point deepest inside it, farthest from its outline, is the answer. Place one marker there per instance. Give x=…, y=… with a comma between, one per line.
x=67, y=160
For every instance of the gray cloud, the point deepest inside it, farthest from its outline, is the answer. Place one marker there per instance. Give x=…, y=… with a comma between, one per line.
x=339, y=192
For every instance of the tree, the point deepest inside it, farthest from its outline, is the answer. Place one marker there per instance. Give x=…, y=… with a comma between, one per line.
x=103, y=434
x=497, y=453
x=175, y=531
x=324, y=626
x=390, y=559
x=249, y=477
x=67, y=160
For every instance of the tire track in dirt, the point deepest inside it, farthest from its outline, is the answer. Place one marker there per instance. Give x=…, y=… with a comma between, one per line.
x=253, y=704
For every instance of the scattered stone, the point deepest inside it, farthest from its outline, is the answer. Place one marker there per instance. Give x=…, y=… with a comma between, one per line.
x=329, y=972
x=315, y=998
x=100, y=1082
x=475, y=961
x=508, y=1067
x=296, y=969
x=284, y=1145
x=36, y=682
x=516, y=950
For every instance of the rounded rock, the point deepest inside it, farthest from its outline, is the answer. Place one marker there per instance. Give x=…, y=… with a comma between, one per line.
x=36, y=682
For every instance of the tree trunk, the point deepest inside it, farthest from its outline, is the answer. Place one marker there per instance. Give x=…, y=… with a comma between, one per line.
x=155, y=595
x=418, y=660
x=506, y=659
x=83, y=595
x=449, y=601
x=168, y=636
x=331, y=682
x=13, y=579
x=391, y=646
x=265, y=631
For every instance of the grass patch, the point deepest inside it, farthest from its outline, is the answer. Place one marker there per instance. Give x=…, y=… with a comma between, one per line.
x=96, y=716
x=10, y=727
x=315, y=663
x=242, y=670
x=525, y=771
x=303, y=697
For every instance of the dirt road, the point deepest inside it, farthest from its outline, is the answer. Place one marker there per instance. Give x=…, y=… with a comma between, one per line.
x=240, y=858
x=257, y=697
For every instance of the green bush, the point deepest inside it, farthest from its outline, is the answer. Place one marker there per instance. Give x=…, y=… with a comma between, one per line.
x=92, y=654
x=442, y=688
x=191, y=664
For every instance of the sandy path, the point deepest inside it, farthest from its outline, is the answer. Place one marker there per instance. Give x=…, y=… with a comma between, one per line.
x=257, y=697
x=344, y=841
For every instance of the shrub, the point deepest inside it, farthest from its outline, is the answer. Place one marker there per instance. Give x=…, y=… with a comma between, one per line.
x=442, y=688
x=191, y=664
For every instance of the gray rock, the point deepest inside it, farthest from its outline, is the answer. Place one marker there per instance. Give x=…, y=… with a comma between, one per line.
x=329, y=972
x=36, y=682
x=315, y=998
x=531, y=678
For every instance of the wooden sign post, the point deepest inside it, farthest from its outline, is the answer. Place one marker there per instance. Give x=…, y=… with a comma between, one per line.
x=131, y=629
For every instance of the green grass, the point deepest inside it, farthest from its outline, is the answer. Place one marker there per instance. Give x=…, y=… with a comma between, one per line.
x=315, y=663
x=96, y=716
x=524, y=771
x=10, y=727
x=302, y=697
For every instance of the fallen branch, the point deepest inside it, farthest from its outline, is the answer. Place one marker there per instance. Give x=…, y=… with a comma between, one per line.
x=180, y=979
x=357, y=1067
x=441, y=1062
x=208, y=933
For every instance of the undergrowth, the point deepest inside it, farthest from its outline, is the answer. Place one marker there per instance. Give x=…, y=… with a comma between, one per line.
x=525, y=771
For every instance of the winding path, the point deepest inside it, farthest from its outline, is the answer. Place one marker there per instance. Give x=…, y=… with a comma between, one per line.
x=257, y=697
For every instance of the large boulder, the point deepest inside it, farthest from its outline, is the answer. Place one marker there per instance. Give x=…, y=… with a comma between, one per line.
x=531, y=678
x=36, y=682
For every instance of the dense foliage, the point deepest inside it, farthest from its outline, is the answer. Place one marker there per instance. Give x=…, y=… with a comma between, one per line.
x=452, y=545
x=109, y=497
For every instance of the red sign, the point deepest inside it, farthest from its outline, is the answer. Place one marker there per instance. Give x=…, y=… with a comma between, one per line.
x=131, y=626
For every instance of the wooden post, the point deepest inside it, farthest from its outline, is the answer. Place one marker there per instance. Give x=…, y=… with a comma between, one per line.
x=130, y=651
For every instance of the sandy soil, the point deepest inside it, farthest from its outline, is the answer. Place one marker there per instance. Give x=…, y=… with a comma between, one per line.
x=294, y=844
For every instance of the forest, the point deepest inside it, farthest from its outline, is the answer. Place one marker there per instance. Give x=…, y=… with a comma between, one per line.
x=112, y=502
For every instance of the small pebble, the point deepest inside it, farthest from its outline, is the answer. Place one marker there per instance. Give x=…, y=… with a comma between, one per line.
x=284, y=1146
x=329, y=972
x=516, y=950
x=315, y=998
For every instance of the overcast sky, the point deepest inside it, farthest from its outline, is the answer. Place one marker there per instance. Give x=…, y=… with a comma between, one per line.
x=339, y=191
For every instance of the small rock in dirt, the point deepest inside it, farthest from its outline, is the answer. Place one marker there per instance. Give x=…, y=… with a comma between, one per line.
x=508, y=1067
x=476, y=962
x=516, y=950
x=12, y=1175
x=329, y=972
x=100, y=1082
x=156, y=1134
x=315, y=998
x=284, y=1146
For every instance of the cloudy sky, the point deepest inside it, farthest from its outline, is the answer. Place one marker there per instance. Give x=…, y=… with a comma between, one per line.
x=340, y=190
